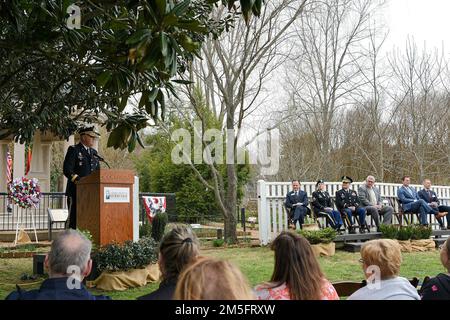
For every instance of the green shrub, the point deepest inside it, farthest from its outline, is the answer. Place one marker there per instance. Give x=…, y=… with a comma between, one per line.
x=402, y=233
x=388, y=231
x=218, y=242
x=88, y=235
x=159, y=225
x=326, y=235
x=421, y=232
x=145, y=230
x=405, y=233
x=130, y=255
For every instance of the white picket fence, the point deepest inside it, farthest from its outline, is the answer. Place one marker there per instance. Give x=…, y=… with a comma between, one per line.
x=272, y=216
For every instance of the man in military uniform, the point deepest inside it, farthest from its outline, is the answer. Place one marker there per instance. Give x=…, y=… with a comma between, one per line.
x=80, y=161
x=297, y=203
x=323, y=204
x=347, y=202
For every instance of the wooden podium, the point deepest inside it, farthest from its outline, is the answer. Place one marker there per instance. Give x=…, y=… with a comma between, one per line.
x=105, y=205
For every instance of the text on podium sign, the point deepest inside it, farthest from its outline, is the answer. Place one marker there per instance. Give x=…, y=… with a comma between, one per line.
x=116, y=195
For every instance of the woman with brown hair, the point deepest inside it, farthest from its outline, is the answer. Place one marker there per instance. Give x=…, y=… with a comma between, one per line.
x=178, y=248
x=211, y=279
x=297, y=274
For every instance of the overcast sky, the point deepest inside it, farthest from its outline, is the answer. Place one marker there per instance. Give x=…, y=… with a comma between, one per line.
x=425, y=20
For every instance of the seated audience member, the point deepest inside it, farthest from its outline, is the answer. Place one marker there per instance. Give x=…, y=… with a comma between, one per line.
x=70, y=252
x=438, y=288
x=430, y=197
x=347, y=202
x=370, y=198
x=322, y=202
x=411, y=202
x=296, y=274
x=211, y=279
x=297, y=204
x=381, y=261
x=178, y=248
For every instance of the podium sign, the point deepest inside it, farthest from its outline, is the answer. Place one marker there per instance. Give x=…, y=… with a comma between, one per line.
x=105, y=205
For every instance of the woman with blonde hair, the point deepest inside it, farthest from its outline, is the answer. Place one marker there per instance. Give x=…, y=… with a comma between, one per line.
x=178, y=248
x=381, y=260
x=297, y=274
x=211, y=279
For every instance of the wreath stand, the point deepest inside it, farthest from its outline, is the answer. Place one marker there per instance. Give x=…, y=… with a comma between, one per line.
x=19, y=211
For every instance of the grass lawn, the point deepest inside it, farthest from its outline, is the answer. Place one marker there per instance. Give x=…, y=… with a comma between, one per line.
x=255, y=263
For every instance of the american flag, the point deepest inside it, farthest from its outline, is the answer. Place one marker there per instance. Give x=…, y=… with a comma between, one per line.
x=9, y=164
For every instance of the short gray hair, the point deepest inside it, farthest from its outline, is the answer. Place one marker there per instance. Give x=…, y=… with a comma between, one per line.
x=368, y=177
x=71, y=248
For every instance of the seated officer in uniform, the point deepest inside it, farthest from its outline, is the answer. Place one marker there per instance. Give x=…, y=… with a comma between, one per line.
x=430, y=197
x=322, y=202
x=68, y=263
x=347, y=202
x=297, y=203
x=80, y=161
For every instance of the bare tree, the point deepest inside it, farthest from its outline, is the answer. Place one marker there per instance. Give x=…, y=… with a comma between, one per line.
x=325, y=72
x=233, y=73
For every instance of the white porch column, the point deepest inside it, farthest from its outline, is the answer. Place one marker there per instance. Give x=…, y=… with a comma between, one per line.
x=40, y=161
x=19, y=160
x=3, y=150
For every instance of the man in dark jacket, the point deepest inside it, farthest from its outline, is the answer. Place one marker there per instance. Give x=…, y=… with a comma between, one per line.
x=348, y=203
x=68, y=263
x=297, y=203
x=430, y=197
x=80, y=161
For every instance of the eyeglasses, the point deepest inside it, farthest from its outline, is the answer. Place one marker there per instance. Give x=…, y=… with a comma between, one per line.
x=361, y=260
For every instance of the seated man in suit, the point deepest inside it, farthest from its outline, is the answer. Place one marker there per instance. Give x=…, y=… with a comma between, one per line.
x=430, y=197
x=68, y=262
x=297, y=203
x=370, y=198
x=322, y=202
x=411, y=202
x=347, y=202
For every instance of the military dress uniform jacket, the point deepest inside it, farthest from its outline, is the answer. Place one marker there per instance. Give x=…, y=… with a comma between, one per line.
x=345, y=199
x=321, y=200
x=78, y=163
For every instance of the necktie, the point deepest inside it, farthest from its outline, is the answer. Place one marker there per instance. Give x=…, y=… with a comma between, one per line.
x=429, y=195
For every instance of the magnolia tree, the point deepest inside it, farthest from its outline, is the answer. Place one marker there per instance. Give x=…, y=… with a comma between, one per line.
x=70, y=62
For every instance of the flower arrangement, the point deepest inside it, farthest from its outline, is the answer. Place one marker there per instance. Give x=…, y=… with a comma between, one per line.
x=24, y=192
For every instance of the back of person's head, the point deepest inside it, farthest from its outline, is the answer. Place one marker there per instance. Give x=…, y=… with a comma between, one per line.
x=296, y=265
x=178, y=248
x=211, y=279
x=71, y=249
x=383, y=253
x=445, y=254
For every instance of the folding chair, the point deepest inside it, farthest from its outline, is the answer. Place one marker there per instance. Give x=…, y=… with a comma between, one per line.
x=347, y=288
x=55, y=216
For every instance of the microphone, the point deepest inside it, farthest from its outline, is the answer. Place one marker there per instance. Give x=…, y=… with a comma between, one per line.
x=102, y=160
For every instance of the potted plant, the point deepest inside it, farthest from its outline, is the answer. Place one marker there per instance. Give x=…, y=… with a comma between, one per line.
x=411, y=238
x=310, y=224
x=321, y=241
x=127, y=265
